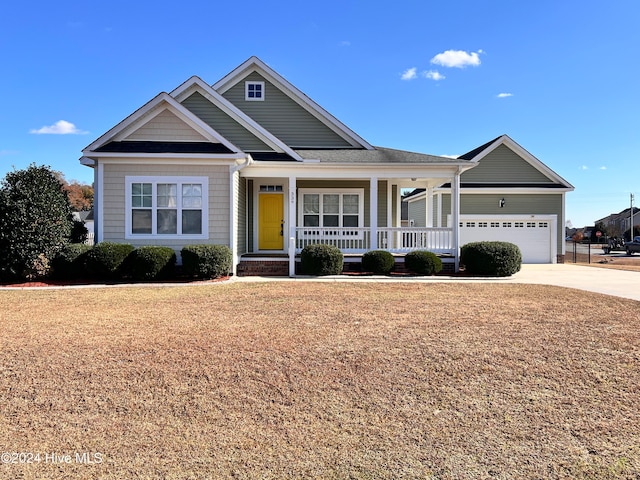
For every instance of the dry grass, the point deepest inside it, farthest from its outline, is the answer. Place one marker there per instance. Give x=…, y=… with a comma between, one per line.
x=309, y=380
x=616, y=262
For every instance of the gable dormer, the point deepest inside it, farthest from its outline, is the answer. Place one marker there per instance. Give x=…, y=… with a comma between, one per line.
x=283, y=110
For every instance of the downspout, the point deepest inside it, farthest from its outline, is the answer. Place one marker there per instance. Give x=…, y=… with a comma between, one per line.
x=233, y=214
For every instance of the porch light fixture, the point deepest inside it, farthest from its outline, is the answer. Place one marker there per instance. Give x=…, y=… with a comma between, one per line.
x=413, y=179
x=501, y=202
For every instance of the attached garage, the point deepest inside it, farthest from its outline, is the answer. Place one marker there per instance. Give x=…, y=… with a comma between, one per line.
x=535, y=235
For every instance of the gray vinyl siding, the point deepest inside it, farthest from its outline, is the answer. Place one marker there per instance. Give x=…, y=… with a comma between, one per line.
x=516, y=204
x=503, y=165
x=418, y=213
x=166, y=127
x=250, y=218
x=283, y=117
x=224, y=124
x=240, y=211
x=382, y=203
x=114, y=201
x=394, y=206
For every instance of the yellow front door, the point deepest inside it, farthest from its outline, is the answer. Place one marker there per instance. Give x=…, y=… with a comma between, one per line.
x=271, y=221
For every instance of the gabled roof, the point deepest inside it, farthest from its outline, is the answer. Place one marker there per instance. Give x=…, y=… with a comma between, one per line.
x=196, y=84
x=482, y=151
x=254, y=64
x=147, y=113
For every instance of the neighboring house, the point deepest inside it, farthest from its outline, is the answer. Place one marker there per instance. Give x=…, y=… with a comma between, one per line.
x=253, y=163
x=618, y=223
x=86, y=216
x=509, y=196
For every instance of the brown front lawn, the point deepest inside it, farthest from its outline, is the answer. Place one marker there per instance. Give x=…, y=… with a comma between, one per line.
x=320, y=380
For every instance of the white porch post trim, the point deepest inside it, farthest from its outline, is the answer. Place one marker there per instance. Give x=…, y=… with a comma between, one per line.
x=99, y=183
x=292, y=225
x=233, y=220
x=439, y=219
x=373, y=212
x=455, y=218
x=389, y=211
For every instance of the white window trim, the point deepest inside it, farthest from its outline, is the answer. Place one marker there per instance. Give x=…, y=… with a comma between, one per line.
x=322, y=191
x=246, y=91
x=155, y=180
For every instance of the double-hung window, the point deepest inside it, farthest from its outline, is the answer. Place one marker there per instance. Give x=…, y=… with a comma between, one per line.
x=166, y=207
x=330, y=208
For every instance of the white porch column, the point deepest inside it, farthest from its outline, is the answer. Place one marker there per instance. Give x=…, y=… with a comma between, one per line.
x=439, y=219
x=233, y=220
x=429, y=207
x=292, y=225
x=98, y=224
x=373, y=212
x=455, y=218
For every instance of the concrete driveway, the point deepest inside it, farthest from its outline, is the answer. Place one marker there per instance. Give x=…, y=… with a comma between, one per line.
x=619, y=283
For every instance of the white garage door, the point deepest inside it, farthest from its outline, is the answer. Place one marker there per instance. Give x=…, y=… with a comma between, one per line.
x=535, y=235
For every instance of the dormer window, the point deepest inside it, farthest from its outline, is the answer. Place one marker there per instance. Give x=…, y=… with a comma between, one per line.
x=254, y=91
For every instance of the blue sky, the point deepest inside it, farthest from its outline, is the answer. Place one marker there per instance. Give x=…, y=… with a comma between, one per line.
x=560, y=78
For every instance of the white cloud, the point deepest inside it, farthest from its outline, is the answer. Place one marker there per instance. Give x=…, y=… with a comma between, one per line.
x=457, y=58
x=345, y=43
x=504, y=95
x=433, y=75
x=409, y=74
x=603, y=168
x=61, y=127
x=584, y=167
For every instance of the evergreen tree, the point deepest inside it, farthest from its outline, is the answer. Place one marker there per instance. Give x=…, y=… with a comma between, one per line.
x=35, y=222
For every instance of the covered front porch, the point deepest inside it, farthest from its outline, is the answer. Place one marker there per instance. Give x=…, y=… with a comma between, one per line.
x=347, y=208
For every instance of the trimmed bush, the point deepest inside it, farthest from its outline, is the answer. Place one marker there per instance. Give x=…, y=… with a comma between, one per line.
x=320, y=259
x=423, y=262
x=206, y=261
x=152, y=263
x=108, y=260
x=35, y=222
x=378, y=262
x=69, y=263
x=500, y=259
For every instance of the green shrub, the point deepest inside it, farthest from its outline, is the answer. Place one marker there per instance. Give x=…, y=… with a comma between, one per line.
x=500, y=259
x=206, y=261
x=152, y=263
x=108, y=260
x=320, y=259
x=69, y=263
x=35, y=222
x=423, y=262
x=378, y=262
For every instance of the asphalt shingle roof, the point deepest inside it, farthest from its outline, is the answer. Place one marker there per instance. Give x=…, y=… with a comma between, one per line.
x=379, y=155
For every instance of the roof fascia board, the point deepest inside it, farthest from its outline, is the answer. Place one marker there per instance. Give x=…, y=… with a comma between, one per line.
x=195, y=83
x=153, y=108
x=255, y=64
x=167, y=158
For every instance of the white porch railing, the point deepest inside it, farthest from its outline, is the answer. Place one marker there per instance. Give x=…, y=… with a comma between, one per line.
x=395, y=240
